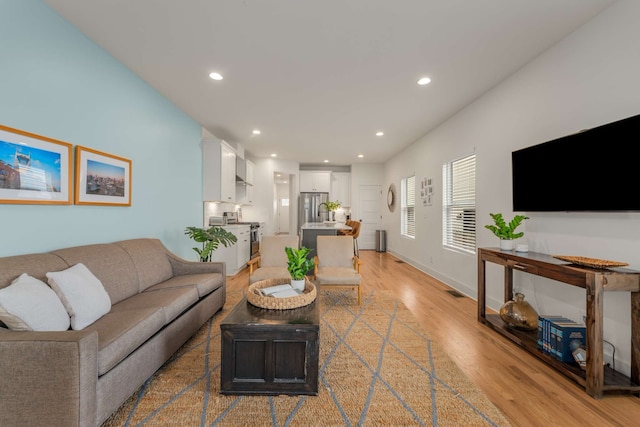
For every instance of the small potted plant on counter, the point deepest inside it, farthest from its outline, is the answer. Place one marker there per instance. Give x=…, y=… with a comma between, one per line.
x=210, y=238
x=298, y=264
x=505, y=231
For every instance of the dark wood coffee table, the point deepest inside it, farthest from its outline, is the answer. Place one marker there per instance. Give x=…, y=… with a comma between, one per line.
x=270, y=351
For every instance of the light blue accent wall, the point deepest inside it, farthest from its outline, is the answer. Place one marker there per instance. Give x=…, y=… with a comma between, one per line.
x=55, y=82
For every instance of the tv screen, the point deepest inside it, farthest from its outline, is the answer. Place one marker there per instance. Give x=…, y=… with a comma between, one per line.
x=593, y=170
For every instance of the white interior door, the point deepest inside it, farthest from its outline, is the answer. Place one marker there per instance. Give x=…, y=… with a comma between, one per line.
x=370, y=217
x=283, y=209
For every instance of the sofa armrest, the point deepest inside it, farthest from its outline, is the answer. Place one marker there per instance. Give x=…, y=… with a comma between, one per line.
x=183, y=267
x=48, y=378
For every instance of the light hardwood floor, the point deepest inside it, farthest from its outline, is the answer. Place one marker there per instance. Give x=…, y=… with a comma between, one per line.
x=527, y=391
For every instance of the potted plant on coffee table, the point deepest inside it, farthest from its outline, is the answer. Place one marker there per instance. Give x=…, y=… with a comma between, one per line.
x=504, y=230
x=210, y=238
x=298, y=264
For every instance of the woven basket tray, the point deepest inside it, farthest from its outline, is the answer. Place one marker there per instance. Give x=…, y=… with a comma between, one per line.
x=273, y=303
x=590, y=262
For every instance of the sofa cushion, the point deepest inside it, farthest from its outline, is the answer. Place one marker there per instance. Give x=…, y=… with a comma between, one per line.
x=81, y=293
x=28, y=304
x=110, y=263
x=172, y=301
x=205, y=283
x=264, y=273
x=150, y=259
x=35, y=265
x=122, y=331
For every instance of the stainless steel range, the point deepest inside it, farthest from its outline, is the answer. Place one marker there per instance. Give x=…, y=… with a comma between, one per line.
x=232, y=218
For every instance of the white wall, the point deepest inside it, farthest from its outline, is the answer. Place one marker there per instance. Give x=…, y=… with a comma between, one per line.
x=586, y=80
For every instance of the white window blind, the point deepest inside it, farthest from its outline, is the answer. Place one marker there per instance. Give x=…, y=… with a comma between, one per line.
x=459, y=204
x=408, y=222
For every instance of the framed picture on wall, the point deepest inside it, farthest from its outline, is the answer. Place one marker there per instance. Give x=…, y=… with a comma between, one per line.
x=102, y=178
x=33, y=168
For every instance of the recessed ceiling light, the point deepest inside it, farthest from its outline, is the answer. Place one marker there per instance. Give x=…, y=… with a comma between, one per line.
x=216, y=76
x=380, y=133
x=326, y=161
x=256, y=132
x=274, y=155
x=424, y=81
x=360, y=155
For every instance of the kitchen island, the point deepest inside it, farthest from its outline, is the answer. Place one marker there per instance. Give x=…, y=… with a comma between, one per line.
x=311, y=230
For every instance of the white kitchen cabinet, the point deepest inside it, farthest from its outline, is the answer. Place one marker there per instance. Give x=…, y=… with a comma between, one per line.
x=341, y=188
x=236, y=256
x=244, y=190
x=249, y=186
x=219, y=171
x=315, y=181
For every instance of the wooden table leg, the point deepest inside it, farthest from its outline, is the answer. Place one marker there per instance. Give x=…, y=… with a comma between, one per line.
x=635, y=337
x=482, y=290
x=595, y=367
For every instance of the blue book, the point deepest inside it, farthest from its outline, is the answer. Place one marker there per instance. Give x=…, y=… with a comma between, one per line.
x=546, y=345
x=570, y=337
x=553, y=334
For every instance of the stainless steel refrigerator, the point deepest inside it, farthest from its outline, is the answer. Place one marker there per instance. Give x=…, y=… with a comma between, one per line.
x=310, y=209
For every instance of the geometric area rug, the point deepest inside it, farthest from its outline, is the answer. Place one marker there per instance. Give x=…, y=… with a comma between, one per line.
x=378, y=367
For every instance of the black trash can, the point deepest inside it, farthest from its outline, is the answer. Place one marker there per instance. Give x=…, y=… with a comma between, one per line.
x=381, y=241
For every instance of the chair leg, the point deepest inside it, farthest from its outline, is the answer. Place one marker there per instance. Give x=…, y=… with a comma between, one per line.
x=359, y=295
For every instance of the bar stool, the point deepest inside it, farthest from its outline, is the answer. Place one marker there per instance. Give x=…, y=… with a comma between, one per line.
x=355, y=232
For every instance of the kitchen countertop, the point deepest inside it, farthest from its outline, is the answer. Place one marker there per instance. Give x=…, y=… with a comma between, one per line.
x=323, y=226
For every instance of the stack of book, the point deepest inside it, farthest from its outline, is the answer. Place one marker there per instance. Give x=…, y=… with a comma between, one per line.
x=560, y=337
x=279, y=291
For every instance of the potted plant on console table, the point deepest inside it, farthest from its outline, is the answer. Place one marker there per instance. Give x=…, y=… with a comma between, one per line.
x=506, y=230
x=298, y=264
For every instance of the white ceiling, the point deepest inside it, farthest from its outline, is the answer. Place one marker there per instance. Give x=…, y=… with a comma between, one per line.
x=320, y=77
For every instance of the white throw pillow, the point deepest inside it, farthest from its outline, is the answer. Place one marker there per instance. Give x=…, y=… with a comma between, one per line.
x=82, y=294
x=28, y=304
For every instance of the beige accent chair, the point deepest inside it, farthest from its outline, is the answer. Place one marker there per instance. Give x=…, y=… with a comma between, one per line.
x=272, y=261
x=336, y=266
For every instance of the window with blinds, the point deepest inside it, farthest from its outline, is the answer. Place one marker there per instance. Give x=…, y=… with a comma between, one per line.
x=459, y=204
x=408, y=221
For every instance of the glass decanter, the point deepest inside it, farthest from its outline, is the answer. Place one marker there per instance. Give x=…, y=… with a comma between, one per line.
x=519, y=314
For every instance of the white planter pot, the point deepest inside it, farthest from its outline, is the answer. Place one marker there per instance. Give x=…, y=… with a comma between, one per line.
x=298, y=285
x=506, y=245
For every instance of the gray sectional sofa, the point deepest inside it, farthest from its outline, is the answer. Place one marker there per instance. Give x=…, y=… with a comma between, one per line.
x=80, y=377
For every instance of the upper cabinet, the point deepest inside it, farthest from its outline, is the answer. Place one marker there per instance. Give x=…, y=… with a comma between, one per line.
x=219, y=171
x=244, y=188
x=315, y=181
x=341, y=188
x=249, y=186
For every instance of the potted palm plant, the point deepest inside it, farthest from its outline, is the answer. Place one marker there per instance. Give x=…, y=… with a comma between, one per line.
x=210, y=238
x=298, y=264
x=504, y=230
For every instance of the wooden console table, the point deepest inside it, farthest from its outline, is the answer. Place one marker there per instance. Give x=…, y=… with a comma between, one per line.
x=597, y=379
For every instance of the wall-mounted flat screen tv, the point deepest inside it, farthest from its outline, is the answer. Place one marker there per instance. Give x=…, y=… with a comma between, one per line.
x=593, y=170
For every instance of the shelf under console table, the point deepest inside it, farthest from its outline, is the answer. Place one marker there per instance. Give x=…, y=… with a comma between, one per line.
x=597, y=379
